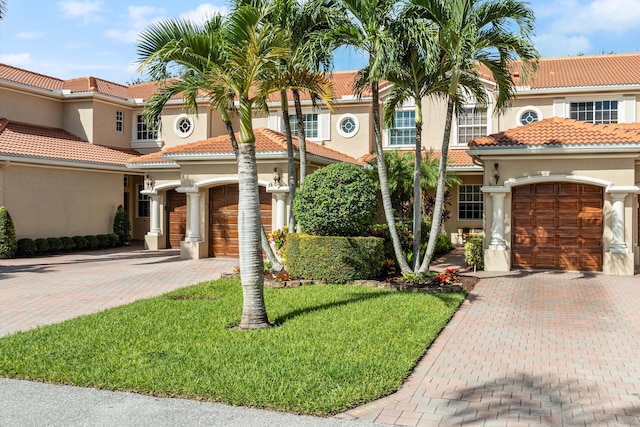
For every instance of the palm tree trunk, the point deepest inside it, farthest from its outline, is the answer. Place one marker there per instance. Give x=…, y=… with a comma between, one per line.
x=266, y=247
x=291, y=167
x=417, y=189
x=384, y=182
x=254, y=311
x=442, y=175
x=301, y=135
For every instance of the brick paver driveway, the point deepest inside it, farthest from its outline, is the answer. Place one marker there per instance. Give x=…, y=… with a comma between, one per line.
x=39, y=291
x=536, y=348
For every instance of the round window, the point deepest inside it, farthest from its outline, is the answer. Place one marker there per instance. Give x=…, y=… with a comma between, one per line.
x=348, y=125
x=529, y=117
x=183, y=126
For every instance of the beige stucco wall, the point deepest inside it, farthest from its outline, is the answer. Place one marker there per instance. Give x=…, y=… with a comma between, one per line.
x=78, y=119
x=357, y=145
x=510, y=118
x=30, y=108
x=104, y=124
x=200, y=126
x=54, y=202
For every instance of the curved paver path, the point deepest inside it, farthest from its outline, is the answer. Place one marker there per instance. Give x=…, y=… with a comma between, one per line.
x=44, y=290
x=537, y=348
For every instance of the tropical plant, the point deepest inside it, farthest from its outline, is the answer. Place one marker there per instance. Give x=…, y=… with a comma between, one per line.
x=122, y=225
x=337, y=200
x=471, y=34
x=8, y=244
x=474, y=252
x=3, y=9
x=240, y=59
x=370, y=31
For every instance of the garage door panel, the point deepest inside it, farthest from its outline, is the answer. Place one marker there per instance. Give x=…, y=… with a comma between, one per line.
x=565, y=226
x=176, y=218
x=223, y=219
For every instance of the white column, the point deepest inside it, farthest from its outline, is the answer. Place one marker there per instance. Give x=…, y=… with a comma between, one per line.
x=618, y=245
x=281, y=210
x=193, y=209
x=155, y=215
x=497, y=223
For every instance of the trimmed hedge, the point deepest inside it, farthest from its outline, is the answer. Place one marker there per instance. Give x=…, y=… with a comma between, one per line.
x=114, y=240
x=474, y=251
x=92, y=241
x=103, y=241
x=42, y=246
x=334, y=259
x=26, y=248
x=55, y=244
x=81, y=242
x=67, y=244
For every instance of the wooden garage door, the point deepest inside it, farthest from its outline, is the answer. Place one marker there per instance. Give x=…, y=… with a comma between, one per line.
x=176, y=218
x=557, y=226
x=223, y=219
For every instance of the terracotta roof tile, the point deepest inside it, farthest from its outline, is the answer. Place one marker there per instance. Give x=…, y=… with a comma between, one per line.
x=455, y=157
x=559, y=131
x=40, y=142
x=577, y=71
x=18, y=75
x=267, y=140
x=153, y=158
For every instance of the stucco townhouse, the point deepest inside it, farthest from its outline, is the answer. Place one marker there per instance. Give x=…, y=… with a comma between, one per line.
x=553, y=181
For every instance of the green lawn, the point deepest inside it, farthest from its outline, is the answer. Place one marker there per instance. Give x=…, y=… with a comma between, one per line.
x=335, y=347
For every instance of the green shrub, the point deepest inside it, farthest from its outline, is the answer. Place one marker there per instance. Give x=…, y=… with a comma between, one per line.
x=103, y=241
x=114, y=240
x=443, y=245
x=81, y=242
x=55, y=244
x=92, y=242
x=334, y=259
x=8, y=244
x=337, y=200
x=26, y=248
x=67, y=244
x=474, y=251
x=122, y=226
x=42, y=246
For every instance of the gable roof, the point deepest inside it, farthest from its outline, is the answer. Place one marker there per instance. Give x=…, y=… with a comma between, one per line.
x=33, y=142
x=558, y=131
x=267, y=142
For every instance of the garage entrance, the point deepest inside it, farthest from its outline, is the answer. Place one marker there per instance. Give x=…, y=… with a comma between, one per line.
x=557, y=226
x=223, y=219
x=176, y=218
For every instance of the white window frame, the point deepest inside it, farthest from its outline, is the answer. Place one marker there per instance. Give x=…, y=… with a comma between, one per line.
x=593, y=110
x=457, y=125
x=626, y=105
x=119, y=121
x=341, y=120
x=177, y=123
x=407, y=106
x=324, y=123
x=142, y=198
x=471, y=194
x=137, y=133
x=526, y=109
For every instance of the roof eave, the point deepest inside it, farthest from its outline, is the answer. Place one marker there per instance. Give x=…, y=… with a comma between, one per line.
x=63, y=163
x=555, y=149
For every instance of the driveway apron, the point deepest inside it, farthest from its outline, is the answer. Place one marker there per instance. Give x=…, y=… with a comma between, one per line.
x=528, y=348
x=40, y=291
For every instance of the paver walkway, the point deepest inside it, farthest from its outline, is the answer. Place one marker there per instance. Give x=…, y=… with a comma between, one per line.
x=528, y=348
x=44, y=290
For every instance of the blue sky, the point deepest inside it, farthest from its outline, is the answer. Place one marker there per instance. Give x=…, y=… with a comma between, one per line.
x=68, y=39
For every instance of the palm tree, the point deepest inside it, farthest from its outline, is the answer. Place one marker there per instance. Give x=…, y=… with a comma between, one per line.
x=471, y=33
x=3, y=8
x=247, y=51
x=370, y=32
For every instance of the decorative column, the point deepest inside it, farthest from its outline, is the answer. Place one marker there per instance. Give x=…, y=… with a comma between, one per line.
x=497, y=223
x=280, y=193
x=618, y=245
x=155, y=215
x=193, y=208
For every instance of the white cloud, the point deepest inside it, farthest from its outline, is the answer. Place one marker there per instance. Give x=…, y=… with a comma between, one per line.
x=561, y=45
x=87, y=10
x=29, y=35
x=203, y=13
x=579, y=17
x=17, y=59
x=138, y=18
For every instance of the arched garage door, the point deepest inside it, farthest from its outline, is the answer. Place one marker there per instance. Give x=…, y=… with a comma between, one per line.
x=557, y=226
x=223, y=219
x=176, y=218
